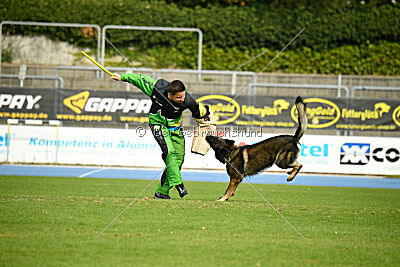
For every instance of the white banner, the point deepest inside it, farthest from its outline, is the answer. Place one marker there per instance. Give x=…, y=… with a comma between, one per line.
x=137, y=148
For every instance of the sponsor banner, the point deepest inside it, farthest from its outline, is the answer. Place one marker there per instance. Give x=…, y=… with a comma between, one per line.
x=97, y=106
x=75, y=105
x=18, y=103
x=329, y=154
x=87, y=146
x=353, y=155
x=137, y=148
x=322, y=113
x=103, y=106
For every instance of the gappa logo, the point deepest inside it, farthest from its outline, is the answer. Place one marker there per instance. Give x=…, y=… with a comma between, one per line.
x=396, y=115
x=321, y=113
x=77, y=102
x=225, y=109
x=82, y=102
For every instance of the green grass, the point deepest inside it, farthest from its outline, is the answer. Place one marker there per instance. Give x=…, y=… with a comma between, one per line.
x=54, y=221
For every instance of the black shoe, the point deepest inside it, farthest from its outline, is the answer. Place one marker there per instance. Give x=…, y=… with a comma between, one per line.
x=161, y=196
x=181, y=190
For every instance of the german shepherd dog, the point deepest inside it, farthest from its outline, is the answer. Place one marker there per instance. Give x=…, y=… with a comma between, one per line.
x=242, y=161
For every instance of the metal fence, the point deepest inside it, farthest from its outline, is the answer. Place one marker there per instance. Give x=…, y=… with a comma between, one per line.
x=21, y=76
x=212, y=81
x=149, y=28
x=197, y=81
x=101, y=34
x=52, y=24
x=204, y=81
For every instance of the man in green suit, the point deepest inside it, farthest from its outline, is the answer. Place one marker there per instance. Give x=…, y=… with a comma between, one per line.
x=169, y=100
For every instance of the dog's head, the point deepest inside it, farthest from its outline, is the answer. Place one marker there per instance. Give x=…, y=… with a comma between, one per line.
x=221, y=147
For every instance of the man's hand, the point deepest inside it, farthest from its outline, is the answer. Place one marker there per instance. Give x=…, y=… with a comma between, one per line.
x=116, y=77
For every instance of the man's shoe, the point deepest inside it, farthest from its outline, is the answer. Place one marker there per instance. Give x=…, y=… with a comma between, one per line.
x=161, y=196
x=181, y=190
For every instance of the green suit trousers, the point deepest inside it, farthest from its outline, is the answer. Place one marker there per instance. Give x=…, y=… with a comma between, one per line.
x=172, y=144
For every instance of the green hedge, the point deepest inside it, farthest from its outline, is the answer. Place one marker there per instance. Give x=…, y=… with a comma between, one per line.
x=339, y=37
x=254, y=25
x=275, y=3
x=382, y=58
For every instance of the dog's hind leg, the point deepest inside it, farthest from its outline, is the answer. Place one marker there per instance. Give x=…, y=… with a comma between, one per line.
x=288, y=159
x=227, y=191
x=293, y=172
x=233, y=184
x=234, y=189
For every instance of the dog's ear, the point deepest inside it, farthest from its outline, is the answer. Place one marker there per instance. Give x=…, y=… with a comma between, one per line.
x=230, y=142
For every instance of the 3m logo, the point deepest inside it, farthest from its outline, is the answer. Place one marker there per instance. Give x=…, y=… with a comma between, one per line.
x=355, y=153
x=77, y=102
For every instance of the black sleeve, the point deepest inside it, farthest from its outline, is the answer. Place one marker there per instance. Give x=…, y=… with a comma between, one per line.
x=193, y=106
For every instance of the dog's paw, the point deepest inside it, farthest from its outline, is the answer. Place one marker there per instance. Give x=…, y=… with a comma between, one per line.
x=290, y=178
x=222, y=199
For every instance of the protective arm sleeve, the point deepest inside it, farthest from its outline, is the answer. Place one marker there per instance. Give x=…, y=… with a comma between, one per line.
x=199, y=111
x=141, y=81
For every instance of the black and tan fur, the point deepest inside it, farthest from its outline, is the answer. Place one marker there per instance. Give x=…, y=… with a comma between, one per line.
x=242, y=161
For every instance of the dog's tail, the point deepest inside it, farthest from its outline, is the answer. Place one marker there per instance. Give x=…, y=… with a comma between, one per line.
x=301, y=117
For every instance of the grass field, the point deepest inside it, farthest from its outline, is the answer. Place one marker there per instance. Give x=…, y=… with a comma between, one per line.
x=54, y=221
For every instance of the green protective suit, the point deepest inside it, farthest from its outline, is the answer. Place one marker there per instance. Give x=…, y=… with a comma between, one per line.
x=165, y=121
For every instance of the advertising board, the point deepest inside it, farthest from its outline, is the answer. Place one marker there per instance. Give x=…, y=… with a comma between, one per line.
x=137, y=148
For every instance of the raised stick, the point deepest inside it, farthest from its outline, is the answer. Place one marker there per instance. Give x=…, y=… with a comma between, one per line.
x=97, y=64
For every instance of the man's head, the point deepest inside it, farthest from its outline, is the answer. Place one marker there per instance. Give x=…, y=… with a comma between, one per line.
x=176, y=91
